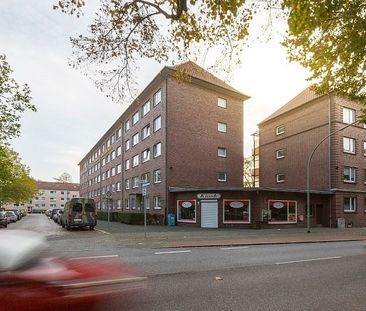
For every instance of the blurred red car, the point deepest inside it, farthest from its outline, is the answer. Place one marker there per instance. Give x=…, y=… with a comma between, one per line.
x=28, y=282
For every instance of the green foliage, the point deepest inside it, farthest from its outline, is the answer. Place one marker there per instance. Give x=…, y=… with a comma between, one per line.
x=16, y=186
x=14, y=99
x=329, y=38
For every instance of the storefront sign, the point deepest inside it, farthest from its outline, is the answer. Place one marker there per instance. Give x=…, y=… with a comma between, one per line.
x=203, y=196
x=236, y=204
x=186, y=204
x=278, y=205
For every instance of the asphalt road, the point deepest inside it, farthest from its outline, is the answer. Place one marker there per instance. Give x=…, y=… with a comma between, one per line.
x=319, y=276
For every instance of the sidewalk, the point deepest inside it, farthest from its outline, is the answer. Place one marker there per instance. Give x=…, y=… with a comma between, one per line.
x=176, y=236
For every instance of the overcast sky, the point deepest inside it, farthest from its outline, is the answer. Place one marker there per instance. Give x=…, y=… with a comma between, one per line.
x=72, y=114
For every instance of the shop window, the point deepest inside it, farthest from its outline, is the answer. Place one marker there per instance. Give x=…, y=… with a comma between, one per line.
x=349, y=204
x=280, y=211
x=236, y=211
x=186, y=211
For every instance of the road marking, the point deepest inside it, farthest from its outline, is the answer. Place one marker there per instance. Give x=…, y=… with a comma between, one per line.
x=173, y=252
x=94, y=257
x=105, y=232
x=234, y=247
x=305, y=260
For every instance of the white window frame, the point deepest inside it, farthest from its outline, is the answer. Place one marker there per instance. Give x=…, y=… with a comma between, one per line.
x=352, y=174
x=157, y=150
x=127, y=164
x=135, y=117
x=364, y=148
x=135, y=160
x=157, y=124
x=187, y=220
x=127, y=145
x=221, y=102
x=279, y=155
x=222, y=179
x=351, y=144
x=127, y=184
x=221, y=152
x=127, y=125
x=146, y=108
x=287, y=203
x=118, y=168
x=352, y=204
x=236, y=221
x=146, y=155
x=280, y=129
x=145, y=133
x=118, y=133
x=135, y=139
x=119, y=151
x=135, y=182
x=348, y=115
x=222, y=127
x=156, y=174
x=278, y=180
x=157, y=98
x=155, y=199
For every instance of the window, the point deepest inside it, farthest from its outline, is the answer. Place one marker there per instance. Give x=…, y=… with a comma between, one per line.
x=107, y=159
x=145, y=177
x=349, y=174
x=119, y=168
x=113, y=171
x=118, y=186
x=127, y=144
x=157, y=98
x=282, y=211
x=103, y=162
x=280, y=178
x=127, y=164
x=280, y=130
x=127, y=125
x=157, y=123
x=157, y=176
x=349, y=145
x=221, y=177
x=221, y=152
x=103, y=176
x=146, y=155
x=112, y=139
x=221, y=102
x=364, y=148
x=135, y=139
x=135, y=160
x=221, y=127
x=280, y=154
x=135, y=118
x=147, y=202
x=364, y=174
x=157, y=202
x=119, y=133
x=236, y=211
x=107, y=174
x=349, y=204
x=146, y=108
x=157, y=150
x=127, y=184
x=135, y=182
x=349, y=115
x=186, y=211
x=146, y=131
x=113, y=155
x=108, y=143
x=118, y=151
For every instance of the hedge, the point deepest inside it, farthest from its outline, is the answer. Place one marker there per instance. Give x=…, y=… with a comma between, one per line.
x=131, y=218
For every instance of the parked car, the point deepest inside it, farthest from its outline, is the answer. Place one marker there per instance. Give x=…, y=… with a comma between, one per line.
x=30, y=282
x=58, y=216
x=79, y=212
x=53, y=213
x=12, y=217
x=3, y=219
x=17, y=212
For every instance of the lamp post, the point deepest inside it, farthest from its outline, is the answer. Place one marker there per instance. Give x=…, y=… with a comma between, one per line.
x=308, y=170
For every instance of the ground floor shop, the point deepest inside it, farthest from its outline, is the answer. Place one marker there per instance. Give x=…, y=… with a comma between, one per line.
x=248, y=208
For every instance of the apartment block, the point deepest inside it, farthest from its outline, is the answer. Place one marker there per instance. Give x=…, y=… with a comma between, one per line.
x=289, y=136
x=184, y=130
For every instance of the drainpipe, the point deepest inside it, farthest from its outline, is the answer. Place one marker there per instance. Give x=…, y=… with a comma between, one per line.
x=330, y=157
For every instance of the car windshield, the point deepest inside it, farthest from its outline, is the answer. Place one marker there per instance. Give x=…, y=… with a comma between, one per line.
x=89, y=207
x=77, y=207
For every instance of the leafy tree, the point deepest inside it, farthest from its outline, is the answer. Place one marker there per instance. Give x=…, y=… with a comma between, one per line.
x=14, y=100
x=16, y=185
x=64, y=177
x=248, y=172
x=327, y=37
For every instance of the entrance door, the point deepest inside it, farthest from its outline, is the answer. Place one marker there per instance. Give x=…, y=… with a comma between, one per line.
x=209, y=214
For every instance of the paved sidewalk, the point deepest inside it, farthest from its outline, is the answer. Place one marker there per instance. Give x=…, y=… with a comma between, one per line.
x=175, y=237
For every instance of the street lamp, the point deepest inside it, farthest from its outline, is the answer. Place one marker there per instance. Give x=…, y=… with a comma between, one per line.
x=308, y=170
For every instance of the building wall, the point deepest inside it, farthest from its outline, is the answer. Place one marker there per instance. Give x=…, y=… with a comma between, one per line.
x=303, y=129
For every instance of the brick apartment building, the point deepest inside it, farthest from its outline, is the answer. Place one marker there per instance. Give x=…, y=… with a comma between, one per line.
x=338, y=168
x=176, y=134
x=50, y=195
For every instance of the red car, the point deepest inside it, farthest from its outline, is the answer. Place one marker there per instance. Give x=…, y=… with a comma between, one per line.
x=28, y=282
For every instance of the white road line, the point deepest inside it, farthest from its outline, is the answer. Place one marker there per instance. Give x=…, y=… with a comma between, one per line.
x=234, y=247
x=105, y=232
x=305, y=260
x=95, y=257
x=173, y=252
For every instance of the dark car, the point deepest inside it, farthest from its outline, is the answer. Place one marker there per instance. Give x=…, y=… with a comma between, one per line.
x=3, y=220
x=79, y=213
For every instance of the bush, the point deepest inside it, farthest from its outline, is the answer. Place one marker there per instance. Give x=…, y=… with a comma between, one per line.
x=131, y=218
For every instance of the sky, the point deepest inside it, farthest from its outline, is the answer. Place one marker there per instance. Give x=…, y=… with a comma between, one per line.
x=72, y=114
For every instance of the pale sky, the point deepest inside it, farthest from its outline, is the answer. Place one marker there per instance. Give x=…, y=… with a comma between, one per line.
x=72, y=114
